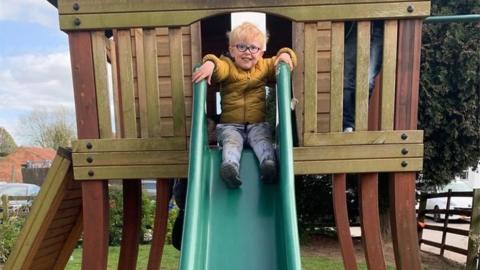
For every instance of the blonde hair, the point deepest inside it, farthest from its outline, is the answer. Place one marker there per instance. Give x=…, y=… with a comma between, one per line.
x=247, y=30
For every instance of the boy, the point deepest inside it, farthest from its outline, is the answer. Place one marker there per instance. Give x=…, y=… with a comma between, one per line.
x=242, y=78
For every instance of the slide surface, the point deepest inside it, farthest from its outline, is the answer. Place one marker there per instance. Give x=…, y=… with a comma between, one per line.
x=253, y=227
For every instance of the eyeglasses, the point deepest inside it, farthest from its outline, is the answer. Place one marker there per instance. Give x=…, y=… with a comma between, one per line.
x=244, y=47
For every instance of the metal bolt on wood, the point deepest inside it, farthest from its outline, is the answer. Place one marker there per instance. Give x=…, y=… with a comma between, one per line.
x=89, y=159
x=404, y=136
x=404, y=151
x=77, y=21
x=410, y=9
x=404, y=163
x=89, y=146
x=76, y=6
x=91, y=173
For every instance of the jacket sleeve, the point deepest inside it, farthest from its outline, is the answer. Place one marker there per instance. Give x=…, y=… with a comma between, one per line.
x=271, y=61
x=222, y=69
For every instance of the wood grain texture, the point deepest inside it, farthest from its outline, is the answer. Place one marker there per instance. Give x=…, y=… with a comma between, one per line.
x=95, y=203
x=155, y=17
x=336, y=95
x=388, y=75
x=342, y=222
x=361, y=77
x=370, y=221
x=310, y=82
x=402, y=185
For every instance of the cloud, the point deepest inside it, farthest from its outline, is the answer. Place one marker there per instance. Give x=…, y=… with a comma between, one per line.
x=33, y=11
x=33, y=80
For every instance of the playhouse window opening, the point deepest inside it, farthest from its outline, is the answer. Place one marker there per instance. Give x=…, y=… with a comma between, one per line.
x=277, y=28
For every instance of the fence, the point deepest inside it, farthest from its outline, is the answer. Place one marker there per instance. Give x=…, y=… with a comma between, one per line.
x=447, y=212
x=20, y=208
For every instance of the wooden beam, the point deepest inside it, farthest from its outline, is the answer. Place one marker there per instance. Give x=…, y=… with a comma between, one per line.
x=366, y=137
x=157, y=17
x=95, y=202
x=132, y=172
x=357, y=166
x=402, y=185
x=370, y=221
x=127, y=144
x=342, y=222
x=92, y=6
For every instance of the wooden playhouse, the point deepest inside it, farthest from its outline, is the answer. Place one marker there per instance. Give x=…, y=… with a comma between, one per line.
x=145, y=50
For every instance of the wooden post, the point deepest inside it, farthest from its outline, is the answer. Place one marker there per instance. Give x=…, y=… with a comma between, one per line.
x=402, y=185
x=5, y=208
x=421, y=216
x=445, y=222
x=94, y=193
x=341, y=221
x=474, y=235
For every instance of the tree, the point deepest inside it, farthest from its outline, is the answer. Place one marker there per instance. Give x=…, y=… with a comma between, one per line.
x=449, y=110
x=49, y=128
x=7, y=143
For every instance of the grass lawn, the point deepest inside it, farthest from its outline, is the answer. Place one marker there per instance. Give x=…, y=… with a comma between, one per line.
x=171, y=256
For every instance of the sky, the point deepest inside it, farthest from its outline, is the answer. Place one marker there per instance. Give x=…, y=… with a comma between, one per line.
x=35, y=70
x=34, y=62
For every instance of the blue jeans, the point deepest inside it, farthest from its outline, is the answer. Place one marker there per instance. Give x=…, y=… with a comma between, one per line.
x=233, y=136
x=350, y=59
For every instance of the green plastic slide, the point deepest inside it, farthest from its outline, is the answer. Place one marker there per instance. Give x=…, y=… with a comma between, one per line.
x=250, y=228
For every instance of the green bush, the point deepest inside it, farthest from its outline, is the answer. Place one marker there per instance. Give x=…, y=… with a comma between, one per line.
x=9, y=231
x=148, y=216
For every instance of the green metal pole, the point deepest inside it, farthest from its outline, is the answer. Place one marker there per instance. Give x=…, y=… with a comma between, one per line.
x=453, y=18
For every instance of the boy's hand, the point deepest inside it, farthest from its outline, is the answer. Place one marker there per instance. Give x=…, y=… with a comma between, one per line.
x=285, y=57
x=204, y=71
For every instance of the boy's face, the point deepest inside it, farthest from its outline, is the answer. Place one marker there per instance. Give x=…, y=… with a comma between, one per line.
x=246, y=53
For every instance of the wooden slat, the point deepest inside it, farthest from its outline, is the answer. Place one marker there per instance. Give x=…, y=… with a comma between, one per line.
x=357, y=166
x=112, y=145
x=177, y=77
x=366, y=137
x=361, y=77
x=160, y=226
x=130, y=158
x=101, y=83
x=152, y=18
x=196, y=44
x=334, y=152
x=126, y=84
x=69, y=244
x=388, y=74
x=310, y=82
x=141, y=81
x=336, y=96
x=297, y=76
x=341, y=221
x=370, y=221
x=151, y=82
x=133, y=172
